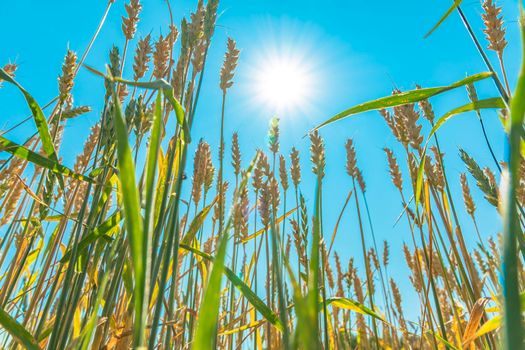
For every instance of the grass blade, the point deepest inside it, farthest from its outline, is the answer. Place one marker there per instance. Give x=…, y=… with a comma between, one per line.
x=17, y=331
x=132, y=219
x=512, y=321
x=246, y=291
x=35, y=158
x=38, y=116
x=403, y=98
x=444, y=17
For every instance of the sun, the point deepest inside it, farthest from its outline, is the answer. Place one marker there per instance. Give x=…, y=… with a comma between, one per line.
x=283, y=82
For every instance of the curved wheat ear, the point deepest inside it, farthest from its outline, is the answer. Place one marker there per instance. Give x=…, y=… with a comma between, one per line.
x=236, y=154
x=129, y=24
x=395, y=173
x=317, y=154
x=65, y=81
x=230, y=63
x=295, y=168
x=142, y=57
x=494, y=30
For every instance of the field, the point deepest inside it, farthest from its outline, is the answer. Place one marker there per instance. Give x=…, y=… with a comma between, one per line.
x=156, y=238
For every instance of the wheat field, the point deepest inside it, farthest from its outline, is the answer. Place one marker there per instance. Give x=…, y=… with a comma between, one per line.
x=156, y=239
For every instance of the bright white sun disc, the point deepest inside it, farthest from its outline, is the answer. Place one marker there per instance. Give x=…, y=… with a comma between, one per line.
x=283, y=82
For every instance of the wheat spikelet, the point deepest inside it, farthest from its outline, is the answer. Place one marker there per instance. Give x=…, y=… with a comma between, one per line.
x=264, y=201
x=65, y=81
x=241, y=213
x=317, y=154
x=426, y=108
x=273, y=135
x=360, y=180
x=142, y=57
x=273, y=186
x=161, y=57
x=485, y=184
x=11, y=202
x=351, y=162
x=228, y=68
x=195, y=27
x=283, y=175
x=386, y=253
x=129, y=24
x=75, y=112
x=295, y=167
x=199, y=172
x=340, y=276
x=236, y=154
x=467, y=197
x=494, y=30
x=329, y=273
x=210, y=16
x=395, y=173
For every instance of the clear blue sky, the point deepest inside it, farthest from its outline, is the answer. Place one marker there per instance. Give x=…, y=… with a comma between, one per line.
x=359, y=49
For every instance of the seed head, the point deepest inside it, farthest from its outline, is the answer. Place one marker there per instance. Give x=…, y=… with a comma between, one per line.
x=129, y=24
x=494, y=30
x=230, y=63
x=236, y=154
x=161, y=57
x=317, y=154
x=65, y=81
x=142, y=57
x=283, y=175
x=295, y=168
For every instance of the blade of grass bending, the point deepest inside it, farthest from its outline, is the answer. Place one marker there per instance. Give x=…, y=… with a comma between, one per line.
x=512, y=322
x=495, y=102
x=403, y=98
x=161, y=85
x=443, y=18
x=102, y=230
x=38, y=116
x=246, y=291
x=132, y=219
x=262, y=230
x=349, y=304
x=17, y=331
x=35, y=158
x=197, y=223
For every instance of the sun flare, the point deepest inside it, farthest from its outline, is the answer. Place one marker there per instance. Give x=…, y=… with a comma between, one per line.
x=283, y=82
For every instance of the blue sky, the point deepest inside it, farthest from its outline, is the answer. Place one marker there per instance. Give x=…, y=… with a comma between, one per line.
x=358, y=51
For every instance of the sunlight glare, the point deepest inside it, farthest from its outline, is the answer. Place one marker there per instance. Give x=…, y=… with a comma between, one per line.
x=283, y=82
